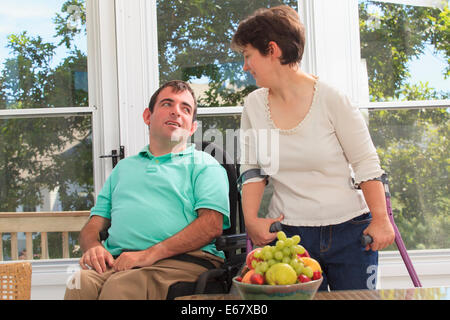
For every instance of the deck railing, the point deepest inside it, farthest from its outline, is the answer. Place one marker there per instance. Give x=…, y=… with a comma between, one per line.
x=42, y=222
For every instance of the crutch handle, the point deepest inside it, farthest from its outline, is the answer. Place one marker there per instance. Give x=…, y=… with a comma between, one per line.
x=366, y=239
x=275, y=227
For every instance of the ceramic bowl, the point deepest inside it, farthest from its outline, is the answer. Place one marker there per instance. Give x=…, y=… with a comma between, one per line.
x=298, y=291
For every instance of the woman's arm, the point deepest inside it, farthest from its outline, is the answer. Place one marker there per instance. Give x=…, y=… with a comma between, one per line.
x=380, y=228
x=257, y=228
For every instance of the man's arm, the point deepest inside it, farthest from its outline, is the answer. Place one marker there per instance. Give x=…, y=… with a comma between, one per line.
x=94, y=254
x=196, y=235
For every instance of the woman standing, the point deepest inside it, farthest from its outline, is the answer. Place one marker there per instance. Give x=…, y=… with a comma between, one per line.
x=323, y=142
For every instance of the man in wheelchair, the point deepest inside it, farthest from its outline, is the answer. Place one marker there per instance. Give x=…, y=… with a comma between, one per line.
x=162, y=210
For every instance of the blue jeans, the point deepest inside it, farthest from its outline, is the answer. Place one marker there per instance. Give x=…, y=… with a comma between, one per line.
x=345, y=263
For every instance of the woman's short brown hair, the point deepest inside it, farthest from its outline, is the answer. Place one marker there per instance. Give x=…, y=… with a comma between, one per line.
x=280, y=24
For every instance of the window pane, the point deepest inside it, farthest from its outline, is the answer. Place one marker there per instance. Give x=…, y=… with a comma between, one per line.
x=43, y=54
x=405, y=50
x=414, y=150
x=194, y=45
x=46, y=164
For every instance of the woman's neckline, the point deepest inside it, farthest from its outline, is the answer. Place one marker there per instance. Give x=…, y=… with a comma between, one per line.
x=298, y=125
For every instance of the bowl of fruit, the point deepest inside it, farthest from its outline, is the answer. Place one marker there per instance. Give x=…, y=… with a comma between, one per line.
x=284, y=271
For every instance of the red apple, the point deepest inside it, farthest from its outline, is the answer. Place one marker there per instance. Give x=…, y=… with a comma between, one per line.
x=250, y=258
x=257, y=278
x=304, y=254
x=317, y=275
x=302, y=278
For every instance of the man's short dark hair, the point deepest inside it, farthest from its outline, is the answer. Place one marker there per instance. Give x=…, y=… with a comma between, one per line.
x=177, y=86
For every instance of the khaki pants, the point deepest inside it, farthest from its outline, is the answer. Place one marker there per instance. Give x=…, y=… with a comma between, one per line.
x=147, y=283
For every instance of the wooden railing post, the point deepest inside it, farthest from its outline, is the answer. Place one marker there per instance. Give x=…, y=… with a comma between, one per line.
x=65, y=244
x=44, y=245
x=1, y=246
x=14, y=246
x=29, y=245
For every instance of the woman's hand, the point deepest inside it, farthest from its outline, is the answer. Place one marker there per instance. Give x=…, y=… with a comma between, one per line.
x=258, y=230
x=381, y=232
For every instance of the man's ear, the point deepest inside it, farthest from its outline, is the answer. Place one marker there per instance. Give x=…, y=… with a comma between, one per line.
x=146, y=115
x=193, y=128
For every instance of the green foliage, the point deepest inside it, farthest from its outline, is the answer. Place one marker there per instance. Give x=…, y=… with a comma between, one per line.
x=413, y=145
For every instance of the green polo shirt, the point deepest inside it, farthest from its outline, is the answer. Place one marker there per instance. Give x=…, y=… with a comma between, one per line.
x=149, y=199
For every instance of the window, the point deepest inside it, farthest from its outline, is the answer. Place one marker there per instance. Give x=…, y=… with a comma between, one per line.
x=404, y=47
x=194, y=45
x=405, y=50
x=45, y=120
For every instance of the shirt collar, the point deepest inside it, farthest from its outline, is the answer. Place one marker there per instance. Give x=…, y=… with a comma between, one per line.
x=188, y=150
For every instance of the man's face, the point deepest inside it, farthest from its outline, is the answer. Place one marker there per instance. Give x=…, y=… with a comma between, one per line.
x=172, y=116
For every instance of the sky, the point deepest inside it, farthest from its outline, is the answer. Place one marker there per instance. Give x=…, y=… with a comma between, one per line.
x=36, y=16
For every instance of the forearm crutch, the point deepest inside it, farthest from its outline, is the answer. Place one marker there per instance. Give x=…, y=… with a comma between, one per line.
x=367, y=239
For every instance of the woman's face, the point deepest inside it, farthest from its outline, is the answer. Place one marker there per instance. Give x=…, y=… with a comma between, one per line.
x=258, y=65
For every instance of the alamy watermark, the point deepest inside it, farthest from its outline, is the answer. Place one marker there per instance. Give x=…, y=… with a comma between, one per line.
x=260, y=147
x=372, y=279
x=74, y=279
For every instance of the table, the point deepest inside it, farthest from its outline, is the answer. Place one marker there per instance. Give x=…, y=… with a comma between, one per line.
x=438, y=293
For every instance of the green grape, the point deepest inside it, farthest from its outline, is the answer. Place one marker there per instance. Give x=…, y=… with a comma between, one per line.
x=268, y=255
x=271, y=262
x=278, y=255
x=281, y=235
x=265, y=249
x=289, y=242
x=264, y=266
x=259, y=270
x=286, y=251
x=299, y=269
x=258, y=254
x=299, y=249
x=294, y=262
x=286, y=260
x=254, y=264
x=279, y=244
x=307, y=271
x=296, y=239
x=293, y=251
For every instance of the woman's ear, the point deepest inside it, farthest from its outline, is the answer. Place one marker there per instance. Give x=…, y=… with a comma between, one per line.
x=274, y=50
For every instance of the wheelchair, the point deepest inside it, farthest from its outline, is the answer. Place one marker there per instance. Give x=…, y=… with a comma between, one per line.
x=233, y=241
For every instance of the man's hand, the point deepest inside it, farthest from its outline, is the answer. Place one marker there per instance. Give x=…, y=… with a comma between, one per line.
x=129, y=260
x=97, y=258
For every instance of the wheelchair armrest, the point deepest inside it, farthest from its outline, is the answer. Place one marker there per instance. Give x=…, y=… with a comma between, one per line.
x=204, y=277
x=103, y=235
x=233, y=241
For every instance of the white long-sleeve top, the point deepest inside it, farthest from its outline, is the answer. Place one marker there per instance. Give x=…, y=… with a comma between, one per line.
x=312, y=165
